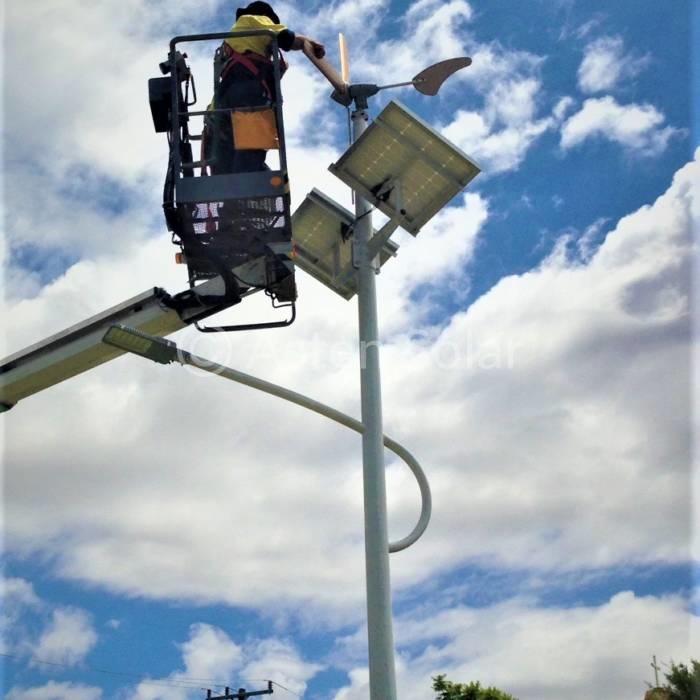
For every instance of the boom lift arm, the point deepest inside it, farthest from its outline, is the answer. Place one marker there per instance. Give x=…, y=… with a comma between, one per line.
x=80, y=347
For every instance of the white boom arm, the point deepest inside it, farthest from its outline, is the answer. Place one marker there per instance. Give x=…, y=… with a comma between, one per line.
x=80, y=347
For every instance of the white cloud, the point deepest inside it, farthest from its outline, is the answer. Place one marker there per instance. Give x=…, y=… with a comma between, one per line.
x=437, y=30
x=539, y=653
x=496, y=149
x=18, y=597
x=356, y=17
x=638, y=128
x=434, y=260
x=210, y=655
x=605, y=65
x=599, y=352
x=209, y=652
x=562, y=107
x=587, y=244
x=67, y=639
x=55, y=691
x=35, y=630
x=500, y=135
x=513, y=102
x=599, y=363
x=278, y=660
x=493, y=63
x=17, y=592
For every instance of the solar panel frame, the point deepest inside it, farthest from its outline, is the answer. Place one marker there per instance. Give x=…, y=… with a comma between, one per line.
x=321, y=250
x=400, y=149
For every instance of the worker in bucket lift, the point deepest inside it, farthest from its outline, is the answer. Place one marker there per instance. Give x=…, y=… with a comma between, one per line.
x=247, y=80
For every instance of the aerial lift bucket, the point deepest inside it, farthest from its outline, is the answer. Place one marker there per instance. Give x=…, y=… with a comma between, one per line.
x=232, y=225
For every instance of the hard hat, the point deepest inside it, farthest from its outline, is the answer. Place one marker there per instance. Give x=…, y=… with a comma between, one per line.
x=258, y=8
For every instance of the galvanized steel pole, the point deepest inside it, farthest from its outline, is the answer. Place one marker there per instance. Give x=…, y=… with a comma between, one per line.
x=382, y=673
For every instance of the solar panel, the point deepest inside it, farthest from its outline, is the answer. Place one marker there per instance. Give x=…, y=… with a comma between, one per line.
x=405, y=168
x=322, y=238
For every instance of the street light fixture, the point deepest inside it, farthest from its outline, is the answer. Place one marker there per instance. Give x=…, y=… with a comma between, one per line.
x=132, y=340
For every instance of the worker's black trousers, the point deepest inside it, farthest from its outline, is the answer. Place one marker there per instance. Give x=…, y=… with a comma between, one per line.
x=240, y=88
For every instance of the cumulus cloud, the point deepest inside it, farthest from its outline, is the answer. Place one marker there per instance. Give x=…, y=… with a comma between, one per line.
x=67, y=639
x=32, y=627
x=279, y=660
x=496, y=149
x=55, y=691
x=638, y=128
x=210, y=655
x=437, y=30
x=538, y=653
x=582, y=359
x=500, y=135
x=605, y=64
x=17, y=593
x=434, y=261
x=18, y=597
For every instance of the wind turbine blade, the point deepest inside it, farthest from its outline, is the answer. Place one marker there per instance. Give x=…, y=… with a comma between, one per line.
x=330, y=73
x=344, y=59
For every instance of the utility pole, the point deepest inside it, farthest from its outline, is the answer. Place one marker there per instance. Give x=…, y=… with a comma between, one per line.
x=240, y=694
x=656, y=668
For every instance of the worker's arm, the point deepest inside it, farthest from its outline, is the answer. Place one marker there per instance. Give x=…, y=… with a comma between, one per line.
x=315, y=52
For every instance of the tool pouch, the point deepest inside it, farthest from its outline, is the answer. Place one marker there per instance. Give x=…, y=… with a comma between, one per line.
x=255, y=129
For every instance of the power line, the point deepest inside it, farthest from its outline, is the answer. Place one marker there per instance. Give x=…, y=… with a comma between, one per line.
x=189, y=683
x=279, y=685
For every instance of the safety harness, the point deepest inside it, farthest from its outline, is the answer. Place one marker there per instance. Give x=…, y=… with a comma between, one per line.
x=256, y=64
x=253, y=63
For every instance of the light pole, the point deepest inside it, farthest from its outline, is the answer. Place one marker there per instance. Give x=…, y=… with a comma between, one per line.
x=380, y=634
x=382, y=672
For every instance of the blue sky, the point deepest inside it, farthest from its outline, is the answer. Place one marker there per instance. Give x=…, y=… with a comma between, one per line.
x=165, y=532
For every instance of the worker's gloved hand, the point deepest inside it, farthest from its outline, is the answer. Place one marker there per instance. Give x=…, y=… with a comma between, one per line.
x=319, y=49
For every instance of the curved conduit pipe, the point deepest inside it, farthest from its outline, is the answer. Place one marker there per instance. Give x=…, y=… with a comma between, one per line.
x=201, y=363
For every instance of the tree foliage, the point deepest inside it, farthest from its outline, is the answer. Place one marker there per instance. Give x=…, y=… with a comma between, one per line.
x=684, y=681
x=447, y=690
